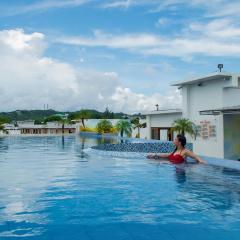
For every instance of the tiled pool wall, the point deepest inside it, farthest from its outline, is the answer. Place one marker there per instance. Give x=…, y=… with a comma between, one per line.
x=140, y=150
x=160, y=147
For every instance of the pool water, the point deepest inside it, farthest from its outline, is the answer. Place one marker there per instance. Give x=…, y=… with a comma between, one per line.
x=51, y=189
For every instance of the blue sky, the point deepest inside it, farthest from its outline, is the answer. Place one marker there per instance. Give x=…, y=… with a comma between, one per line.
x=135, y=47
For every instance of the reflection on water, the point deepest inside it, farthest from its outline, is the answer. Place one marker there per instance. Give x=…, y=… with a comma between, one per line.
x=180, y=175
x=50, y=183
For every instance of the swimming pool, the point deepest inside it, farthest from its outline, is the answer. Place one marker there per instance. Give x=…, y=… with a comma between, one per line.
x=51, y=189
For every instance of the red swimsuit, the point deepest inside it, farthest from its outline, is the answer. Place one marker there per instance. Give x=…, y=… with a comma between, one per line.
x=176, y=158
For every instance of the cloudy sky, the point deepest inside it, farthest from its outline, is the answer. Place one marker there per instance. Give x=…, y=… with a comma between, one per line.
x=121, y=54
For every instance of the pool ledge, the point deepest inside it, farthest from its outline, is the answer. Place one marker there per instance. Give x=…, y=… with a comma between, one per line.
x=141, y=149
x=228, y=163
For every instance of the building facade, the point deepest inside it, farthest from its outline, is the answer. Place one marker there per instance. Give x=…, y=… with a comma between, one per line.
x=159, y=124
x=28, y=127
x=11, y=129
x=48, y=128
x=212, y=102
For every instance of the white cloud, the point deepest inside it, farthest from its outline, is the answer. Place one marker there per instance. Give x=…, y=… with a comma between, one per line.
x=125, y=41
x=128, y=3
x=117, y=4
x=29, y=80
x=215, y=8
x=214, y=38
x=125, y=98
x=158, y=5
x=20, y=42
x=225, y=8
x=224, y=28
x=37, y=6
x=162, y=22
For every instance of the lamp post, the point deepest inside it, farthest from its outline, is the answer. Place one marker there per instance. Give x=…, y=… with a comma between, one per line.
x=157, y=106
x=220, y=67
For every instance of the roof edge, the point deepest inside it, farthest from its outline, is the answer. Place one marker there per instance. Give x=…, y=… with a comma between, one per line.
x=208, y=77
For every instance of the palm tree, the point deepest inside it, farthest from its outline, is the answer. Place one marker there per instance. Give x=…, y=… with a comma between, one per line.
x=63, y=121
x=137, y=125
x=124, y=126
x=81, y=115
x=183, y=126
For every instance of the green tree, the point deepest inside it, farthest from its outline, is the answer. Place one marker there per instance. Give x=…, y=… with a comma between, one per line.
x=81, y=115
x=138, y=125
x=124, y=126
x=183, y=126
x=107, y=114
x=38, y=122
x=53, y=118
x=104, y=126
x=1, y=127
x=3, y=120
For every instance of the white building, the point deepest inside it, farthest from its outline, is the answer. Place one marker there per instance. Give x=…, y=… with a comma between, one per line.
x=28, y=127
x=11, y=129
x=212, y=102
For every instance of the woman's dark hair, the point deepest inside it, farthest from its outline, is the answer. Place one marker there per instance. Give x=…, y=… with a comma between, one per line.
x=182, y=140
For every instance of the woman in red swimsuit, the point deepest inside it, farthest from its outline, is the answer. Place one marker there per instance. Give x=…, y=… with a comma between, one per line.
x=180, y=153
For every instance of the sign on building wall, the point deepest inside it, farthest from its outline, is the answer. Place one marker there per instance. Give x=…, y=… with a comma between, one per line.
x=206, y=130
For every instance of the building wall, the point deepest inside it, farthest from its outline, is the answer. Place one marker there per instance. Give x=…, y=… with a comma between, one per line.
x=47, y=131
x=207, y=96
x=232, y=136
x=13, y=131
x=206, y=143
x=231, y=97
x=161, y=121
x=164, y=120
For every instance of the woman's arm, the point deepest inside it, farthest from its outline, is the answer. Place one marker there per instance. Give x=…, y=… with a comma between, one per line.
x=195, y=157
x=158, y=155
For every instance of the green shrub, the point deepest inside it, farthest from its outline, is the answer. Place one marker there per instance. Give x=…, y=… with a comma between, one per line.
x=137, y=135
x=104, y=126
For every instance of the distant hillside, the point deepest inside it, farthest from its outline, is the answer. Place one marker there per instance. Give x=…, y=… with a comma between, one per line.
x=21, y=115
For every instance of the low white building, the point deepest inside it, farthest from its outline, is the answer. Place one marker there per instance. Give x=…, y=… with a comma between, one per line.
x=10, y=129
x=159, y=123
x=28, y=127
x=212, y=102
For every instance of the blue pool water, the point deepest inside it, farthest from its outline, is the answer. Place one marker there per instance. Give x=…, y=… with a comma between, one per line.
x=51, y=189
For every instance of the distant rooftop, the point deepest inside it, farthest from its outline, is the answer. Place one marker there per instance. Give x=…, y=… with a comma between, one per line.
x=209, y=77
x=164, y=111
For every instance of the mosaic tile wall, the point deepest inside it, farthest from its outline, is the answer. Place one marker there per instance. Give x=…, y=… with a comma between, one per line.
x=163, y=147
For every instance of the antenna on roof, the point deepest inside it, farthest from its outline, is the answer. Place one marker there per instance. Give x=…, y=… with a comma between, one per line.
x=220, y=66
